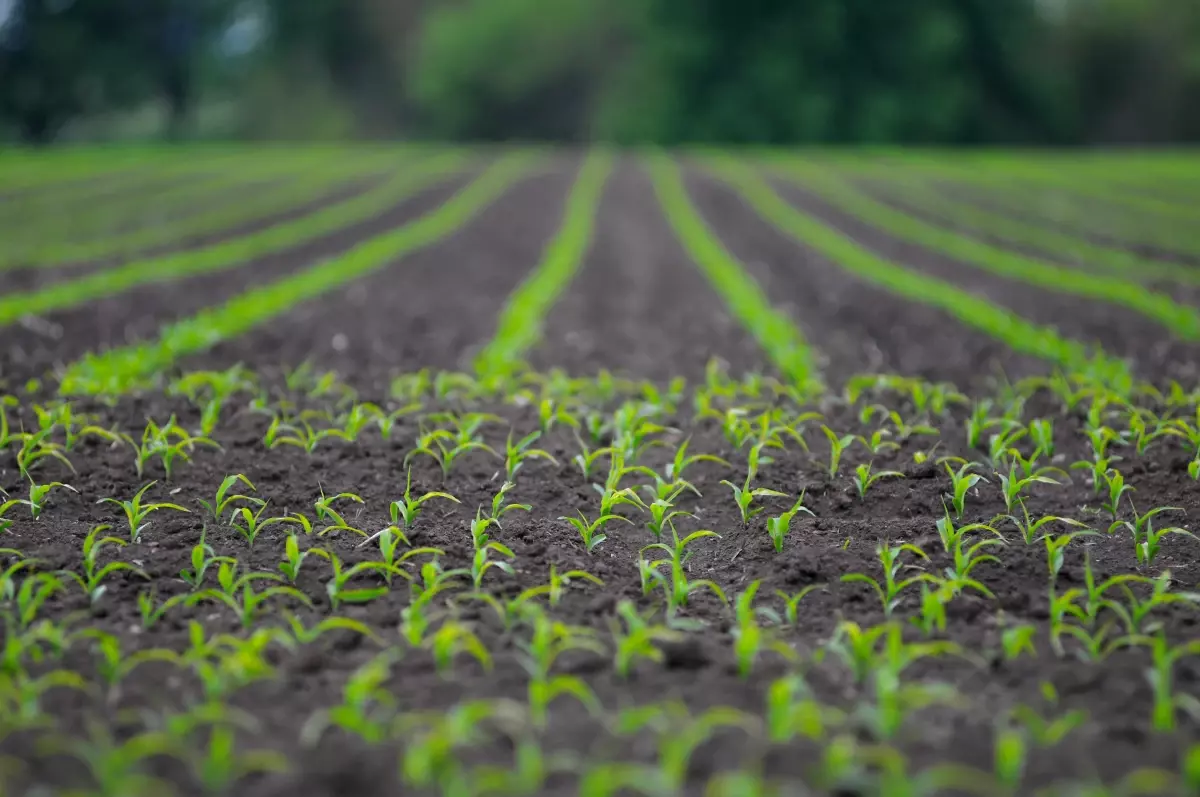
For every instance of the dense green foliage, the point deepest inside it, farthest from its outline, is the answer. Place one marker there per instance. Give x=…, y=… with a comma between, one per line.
x=661, y=71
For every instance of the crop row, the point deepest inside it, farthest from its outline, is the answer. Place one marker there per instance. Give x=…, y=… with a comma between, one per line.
x=1109, y=213
x=519, y=324
x=121, y=369
x=232, y=252
x=66, y=232
x=288, y=579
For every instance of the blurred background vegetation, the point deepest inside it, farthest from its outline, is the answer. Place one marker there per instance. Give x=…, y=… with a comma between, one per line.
x=628, y=71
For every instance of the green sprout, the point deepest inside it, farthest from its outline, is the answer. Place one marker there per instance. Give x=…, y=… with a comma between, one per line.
x=864, y=478
x=137, y=514
x=93, y=575
x=780, y=526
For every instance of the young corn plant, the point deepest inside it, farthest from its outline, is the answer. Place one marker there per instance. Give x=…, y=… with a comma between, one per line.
x=294, y=557
x=1160, y=675
x=1029, y=528
x=636, y=638
x=590, y=530
x=965, y=553
x=961, y=481
x=864, y=478
x=325, y=513
x=203, y=557
x=225, y=499
x=587, y=457
x=516, y=455
x=137, y=514
x=837, y=447
x=168, y=443
x=499, y=508
x=744, y=495
x=663, y=514
x=750, y=638
x=1147, y=541
x=90, y=581
x=36, y=502
x=780, y=526
x=674, y=582
x=1115, y=489
x=406, y=509
x=1013, y=486
x=891, y=588
x=237, y=593
x=446, y=448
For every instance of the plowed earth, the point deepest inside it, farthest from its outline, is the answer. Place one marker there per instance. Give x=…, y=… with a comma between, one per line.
x=637, y=307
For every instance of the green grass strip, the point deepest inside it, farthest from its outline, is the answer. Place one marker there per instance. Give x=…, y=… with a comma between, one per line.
x=1181, y=320
x=228, y=254
x=309, y=187
x=783, y=342
x=971, y=310
x=520, y=324
x=1043, y=203
x=129, y=368
x=922, y=198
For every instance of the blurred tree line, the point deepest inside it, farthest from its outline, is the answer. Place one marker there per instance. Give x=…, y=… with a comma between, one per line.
x=630, y=71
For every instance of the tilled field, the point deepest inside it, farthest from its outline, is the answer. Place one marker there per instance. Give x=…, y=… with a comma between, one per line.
x=467, y=473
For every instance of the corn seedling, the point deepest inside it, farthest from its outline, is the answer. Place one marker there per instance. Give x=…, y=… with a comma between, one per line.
x=1116, y=488
x=1146, y=540
x=791, y=603
x=635, y=638
x=961, y=482
x=1012, y=486
x=500, y=508
x=864, y=478
x=837, y=447
x=780, y=526
x=1029, y=527
x=337, y=588
x=590, y=530
x=168, y=443
x=216, y=509
x=749, y=638
x=675, y=583
x=294, y=557
x=482, y=562
x=663, y=514
x=965, y=560
x=586, y=459
x=367, y=710
x=38, y=493
x=92, y=576
x=325, y=513
x=744, y=495
x=137, y=514
x=1166, y=701
x=237, y=592
x=445, y=448
x=409, y=507
x=889, y=591
x=516, y=455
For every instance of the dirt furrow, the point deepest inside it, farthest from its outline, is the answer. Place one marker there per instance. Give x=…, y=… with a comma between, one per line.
x=434, y=308
x=638, y=306
x=31, y=348
x=855, y=327
x=22, y=279
x=1118, y=330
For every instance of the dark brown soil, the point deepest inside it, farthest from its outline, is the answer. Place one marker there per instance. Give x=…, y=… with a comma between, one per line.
x=859, y=328
x=1118, y=330
x=138, y=314
x=415, y=314
x=637, y=305
x=32, y=278
x=638, y=308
